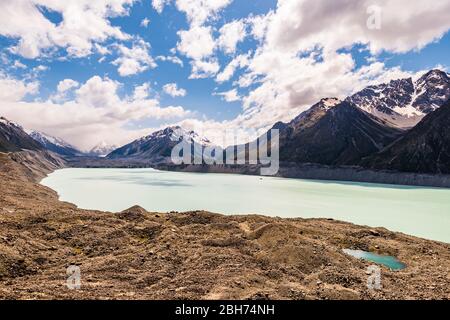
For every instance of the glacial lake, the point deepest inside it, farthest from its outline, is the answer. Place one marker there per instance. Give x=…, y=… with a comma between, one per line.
x=419, y=211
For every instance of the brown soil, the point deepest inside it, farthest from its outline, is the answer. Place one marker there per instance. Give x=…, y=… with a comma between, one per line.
x=137, y=254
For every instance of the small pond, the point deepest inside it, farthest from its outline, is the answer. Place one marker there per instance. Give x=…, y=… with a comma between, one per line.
x=388, y=261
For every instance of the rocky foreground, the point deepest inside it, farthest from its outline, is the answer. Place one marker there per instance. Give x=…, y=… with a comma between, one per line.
x=137, y=254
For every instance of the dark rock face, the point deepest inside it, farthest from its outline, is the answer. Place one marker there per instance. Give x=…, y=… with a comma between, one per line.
x=423, y=149
x=405, y=102
x=56, y=145
x=339, y=134
x=433, y=90
x=13, y=138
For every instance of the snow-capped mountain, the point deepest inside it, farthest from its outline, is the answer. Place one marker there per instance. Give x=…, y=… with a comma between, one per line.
x=405, y=102
x=55, y=144
x=157, y=147
x=14, y=138
x=102, y=150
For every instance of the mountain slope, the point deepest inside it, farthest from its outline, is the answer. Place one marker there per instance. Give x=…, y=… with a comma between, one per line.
x=158, y=146
x=334, y=134
x=424, y=149
x=405, y=102
x=13, y=138
x=54, y=144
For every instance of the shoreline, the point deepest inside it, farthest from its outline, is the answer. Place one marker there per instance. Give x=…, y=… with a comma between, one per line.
x=287, y=170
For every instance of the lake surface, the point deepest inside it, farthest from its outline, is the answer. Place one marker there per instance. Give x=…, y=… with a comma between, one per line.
x=388, y=261
x=423, y=212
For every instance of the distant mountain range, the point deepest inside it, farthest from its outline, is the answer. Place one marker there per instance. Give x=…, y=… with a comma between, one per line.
x=402, y=125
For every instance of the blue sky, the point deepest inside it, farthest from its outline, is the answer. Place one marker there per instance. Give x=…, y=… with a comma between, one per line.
x=292, y=53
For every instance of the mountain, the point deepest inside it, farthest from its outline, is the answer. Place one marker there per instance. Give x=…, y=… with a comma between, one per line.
x=54, y=144
x=334, y=133
x=405, y=102
x=157, y=147
x=102, y=150
x=423, y=149
x=13, y=138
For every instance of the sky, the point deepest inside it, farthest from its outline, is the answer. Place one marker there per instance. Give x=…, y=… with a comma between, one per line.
x=90, y=71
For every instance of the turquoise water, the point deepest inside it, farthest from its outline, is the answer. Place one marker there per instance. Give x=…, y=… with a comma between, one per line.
x=424, y=212
x=388, y=261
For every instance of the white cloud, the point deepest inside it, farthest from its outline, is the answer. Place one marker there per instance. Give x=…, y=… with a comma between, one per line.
x=204, y=68
x=141, y=92
x=145, y=22
x=66, y=85
x=96, y=114
x=259, y=24
x=15, y=90
x=230, y=96
x=63, y=88
x=405, y=25
x=158, y=5
x=230, y=35
x=19, y=65
x=135, y=59
x=200, y=11
x=173, y=90
x=197, y=42
x=172, y=59
x=240, y=61
x=84, y=23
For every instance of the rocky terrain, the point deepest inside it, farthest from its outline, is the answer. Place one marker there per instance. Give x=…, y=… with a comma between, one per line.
x=137, y=254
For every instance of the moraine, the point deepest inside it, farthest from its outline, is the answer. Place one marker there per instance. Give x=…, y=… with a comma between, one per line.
x=423, y=212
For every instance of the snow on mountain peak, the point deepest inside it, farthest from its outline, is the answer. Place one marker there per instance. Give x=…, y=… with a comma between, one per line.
x=102, y=149
x=405, y=102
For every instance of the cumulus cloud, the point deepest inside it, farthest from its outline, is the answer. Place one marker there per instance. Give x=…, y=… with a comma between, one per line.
x=173, y=90
x=172, y=59
x=404, y=25
x=197, y=42
x=158, y=5
x=84, y=23
x=200, y=11
x=230, y=35
x=229, y=96
x=97, y=113
x=141, y=92
x=145, y=22
x=204, y=68
x=15, y=90
x=63, y=88
x=66, y=85
x=135, y=59
x=240, y=61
